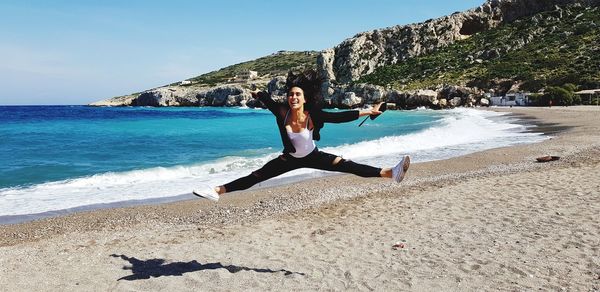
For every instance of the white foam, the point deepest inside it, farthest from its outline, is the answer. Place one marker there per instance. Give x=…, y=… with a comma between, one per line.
x=460, y=131
x=458, y=127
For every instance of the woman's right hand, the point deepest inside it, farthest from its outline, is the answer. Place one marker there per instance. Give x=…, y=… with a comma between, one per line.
x=257, y=94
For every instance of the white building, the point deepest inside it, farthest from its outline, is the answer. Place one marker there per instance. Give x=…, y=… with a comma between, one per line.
x=248, y=75
x=511, y=99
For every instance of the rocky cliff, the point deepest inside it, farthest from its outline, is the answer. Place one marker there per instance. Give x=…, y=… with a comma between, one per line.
x=381, y=49
x=365, y=52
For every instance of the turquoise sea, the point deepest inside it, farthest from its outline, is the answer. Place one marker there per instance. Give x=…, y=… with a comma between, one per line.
x=54, y=158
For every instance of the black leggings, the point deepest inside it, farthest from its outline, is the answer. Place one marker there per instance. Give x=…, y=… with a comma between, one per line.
x=316, y=159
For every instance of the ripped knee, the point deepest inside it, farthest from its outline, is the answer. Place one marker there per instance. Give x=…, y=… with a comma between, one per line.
x=337, y=160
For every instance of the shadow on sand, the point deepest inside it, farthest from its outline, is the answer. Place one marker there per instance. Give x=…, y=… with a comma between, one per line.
x=144, y=269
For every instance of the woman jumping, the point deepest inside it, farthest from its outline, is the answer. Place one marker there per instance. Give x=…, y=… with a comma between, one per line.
x=299, y=122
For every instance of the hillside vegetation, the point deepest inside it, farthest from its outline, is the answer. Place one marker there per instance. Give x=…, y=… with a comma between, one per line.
x=269, y=66
x=555, y=53
x=549, y=49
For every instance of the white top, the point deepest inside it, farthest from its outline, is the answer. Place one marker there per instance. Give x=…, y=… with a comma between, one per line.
x=302, y=141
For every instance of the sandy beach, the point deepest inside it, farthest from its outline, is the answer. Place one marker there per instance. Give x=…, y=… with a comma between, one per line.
x=492, y=220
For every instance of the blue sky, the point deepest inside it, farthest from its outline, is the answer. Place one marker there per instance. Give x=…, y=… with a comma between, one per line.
x=77, y=52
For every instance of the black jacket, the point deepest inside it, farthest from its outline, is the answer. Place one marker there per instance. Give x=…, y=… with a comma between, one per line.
x=318, y=116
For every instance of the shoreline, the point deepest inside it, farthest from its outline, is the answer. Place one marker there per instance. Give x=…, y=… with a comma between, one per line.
x=492, y=220
x=116, y=212
x=531, y=124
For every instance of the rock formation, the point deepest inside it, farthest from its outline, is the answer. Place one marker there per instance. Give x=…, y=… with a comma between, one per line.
x=225, y=95
x=363, y=53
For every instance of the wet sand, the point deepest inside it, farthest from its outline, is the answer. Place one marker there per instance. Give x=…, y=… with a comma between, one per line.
x=493, y=220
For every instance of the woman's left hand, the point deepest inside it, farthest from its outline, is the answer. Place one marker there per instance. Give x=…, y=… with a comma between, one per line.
x=374, y=111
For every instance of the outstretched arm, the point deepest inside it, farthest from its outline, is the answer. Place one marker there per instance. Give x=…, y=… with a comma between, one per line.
x=266, y=99
x=351, y=115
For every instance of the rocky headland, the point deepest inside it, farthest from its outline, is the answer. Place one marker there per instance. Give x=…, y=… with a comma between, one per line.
x=355, y=69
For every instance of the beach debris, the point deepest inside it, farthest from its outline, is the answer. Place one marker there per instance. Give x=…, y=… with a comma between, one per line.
x=321, y=231
x=398, y=245
x=547, y=158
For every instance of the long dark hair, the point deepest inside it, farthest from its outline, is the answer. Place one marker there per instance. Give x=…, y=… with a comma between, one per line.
x=310, y=82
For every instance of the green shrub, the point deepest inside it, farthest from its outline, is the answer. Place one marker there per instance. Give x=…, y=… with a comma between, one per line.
x=536, y=99
x=532, y=85
x=570, y=87
x=558, y=95
x=576, y=99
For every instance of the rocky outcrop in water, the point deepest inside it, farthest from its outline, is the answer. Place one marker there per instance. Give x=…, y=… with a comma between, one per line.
x=226, y=95
x=164, y=96
x=343, y=96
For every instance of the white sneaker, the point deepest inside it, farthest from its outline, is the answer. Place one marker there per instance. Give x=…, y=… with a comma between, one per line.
x=400, y=169
x=207, y=193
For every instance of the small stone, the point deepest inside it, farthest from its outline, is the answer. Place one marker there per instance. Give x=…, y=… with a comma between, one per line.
x=398, y=245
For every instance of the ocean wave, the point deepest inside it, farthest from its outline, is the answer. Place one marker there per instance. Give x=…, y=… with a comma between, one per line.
x=458, y=127
x=460, y=131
